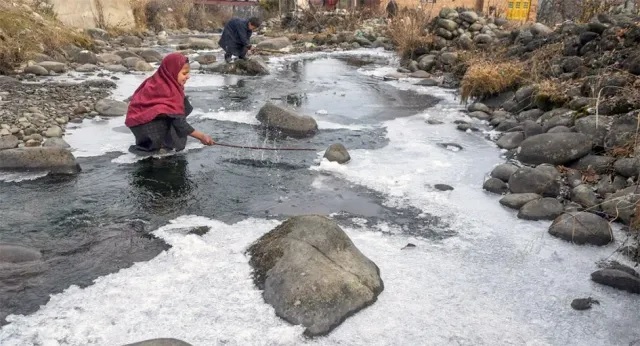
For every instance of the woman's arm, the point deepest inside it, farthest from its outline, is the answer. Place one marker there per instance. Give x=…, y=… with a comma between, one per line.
x=184, y=129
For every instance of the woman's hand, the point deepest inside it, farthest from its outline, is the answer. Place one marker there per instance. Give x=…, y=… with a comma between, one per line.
x=204, y=139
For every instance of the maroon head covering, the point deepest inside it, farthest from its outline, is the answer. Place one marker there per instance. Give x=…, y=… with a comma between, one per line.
x=158, y=94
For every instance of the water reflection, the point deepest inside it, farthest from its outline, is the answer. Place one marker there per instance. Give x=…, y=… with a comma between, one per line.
x=162, y=185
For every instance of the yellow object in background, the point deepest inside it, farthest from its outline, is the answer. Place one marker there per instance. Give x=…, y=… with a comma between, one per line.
x=518, y=10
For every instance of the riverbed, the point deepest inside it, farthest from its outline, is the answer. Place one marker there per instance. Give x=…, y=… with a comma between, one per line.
x=123, y=267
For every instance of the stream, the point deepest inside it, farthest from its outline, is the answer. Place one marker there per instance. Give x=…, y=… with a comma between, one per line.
x=120, y=265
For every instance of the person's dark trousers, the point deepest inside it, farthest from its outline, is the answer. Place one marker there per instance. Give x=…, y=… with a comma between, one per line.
x=240, y=52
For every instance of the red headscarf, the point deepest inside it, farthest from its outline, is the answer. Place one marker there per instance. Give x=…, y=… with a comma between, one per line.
x=159, y=94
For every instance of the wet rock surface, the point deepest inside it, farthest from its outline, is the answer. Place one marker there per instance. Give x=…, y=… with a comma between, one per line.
x=312, y=274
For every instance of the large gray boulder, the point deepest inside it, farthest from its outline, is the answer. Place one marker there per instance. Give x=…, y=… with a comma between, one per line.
x=539, y=180
x=109, y=59
x=36, y=70
x=554, y=148
x=594, y=127
x=9, y=142
x=54, y=160
x=54, y=66
x=111, y=108
x=312, y=274
x=286, y=121
x=137, y=64
x=274, y=43
x=198, y=44
x=627, y=167
x=541, y=209
x=504, y=171
x=585, y=196
x=254, y=66
x=150, y=55
x=582, y=228
x=510, y=140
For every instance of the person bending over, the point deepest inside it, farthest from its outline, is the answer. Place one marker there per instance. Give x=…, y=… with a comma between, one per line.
x=236, y=36
x=157, y=113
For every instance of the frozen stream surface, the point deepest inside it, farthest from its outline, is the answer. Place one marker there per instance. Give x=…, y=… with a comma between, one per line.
x=477, y=276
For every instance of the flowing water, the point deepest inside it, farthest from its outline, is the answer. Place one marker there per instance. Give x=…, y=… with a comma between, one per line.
x=121, y=265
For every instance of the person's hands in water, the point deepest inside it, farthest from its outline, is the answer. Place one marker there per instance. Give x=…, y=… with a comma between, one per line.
x=204, y=139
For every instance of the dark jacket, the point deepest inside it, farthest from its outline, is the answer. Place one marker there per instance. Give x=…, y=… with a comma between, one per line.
x=236, y=35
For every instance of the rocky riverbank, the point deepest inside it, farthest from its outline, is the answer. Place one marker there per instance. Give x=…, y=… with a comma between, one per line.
x=565, y=103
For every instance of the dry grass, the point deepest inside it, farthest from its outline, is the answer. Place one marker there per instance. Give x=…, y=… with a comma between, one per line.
x=552, y=91
x=541, y=61
x=22, y=35
x=174, y=14
x=139, y=12
x=485, y=78
x=623, y=151
x=407, y=31
x=319, y=21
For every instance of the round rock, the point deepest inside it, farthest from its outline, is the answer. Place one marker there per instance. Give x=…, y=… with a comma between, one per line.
x=541, y=209
x=36, y=70
x=286, y=121
x=582, y=228
x=504, y=171
x=510, y=140
x=495, y=185
x=518, y=200
x=337, y=153
x=535, y=180
x=56, y=143
x=53, y=131
x=584, y=195
x=554, y=148
x=111, y=108
x=9, y=142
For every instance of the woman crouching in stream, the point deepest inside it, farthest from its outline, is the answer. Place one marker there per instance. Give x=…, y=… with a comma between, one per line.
x=157, y=113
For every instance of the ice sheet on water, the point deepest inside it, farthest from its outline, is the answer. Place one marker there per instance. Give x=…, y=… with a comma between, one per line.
x=244, y=117
x=279, y=61
x=501, y=291
x=16, y=177
x=96, y=137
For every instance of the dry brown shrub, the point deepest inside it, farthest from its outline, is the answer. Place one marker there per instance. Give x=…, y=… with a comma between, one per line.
x=139, y=8
x=174, y=14
x=407, y=31
x=485, y=78
x=22, y=35
x=552, y=91
x=542, y=59
x=622, y=151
